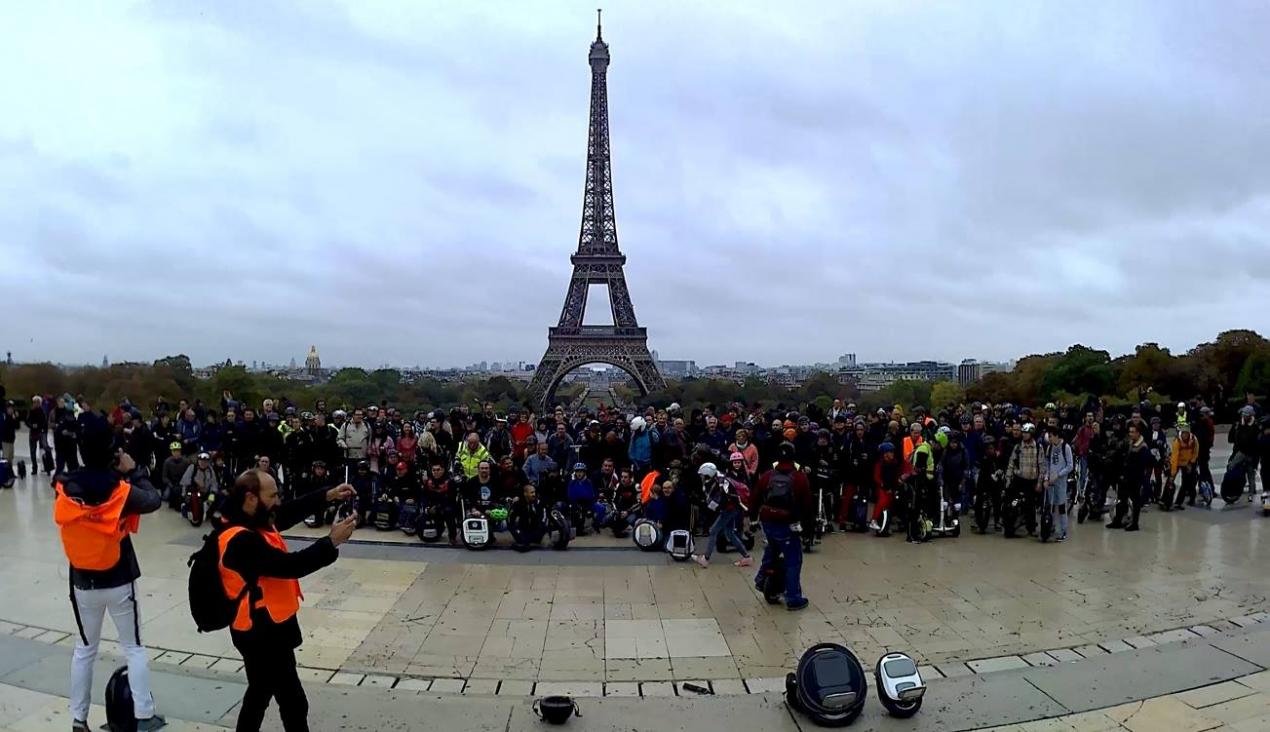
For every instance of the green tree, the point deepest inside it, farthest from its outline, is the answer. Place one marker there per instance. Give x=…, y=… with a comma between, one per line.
x=1254, y=376
x=1081, y=370
x=946, y=394
x=1147, y=368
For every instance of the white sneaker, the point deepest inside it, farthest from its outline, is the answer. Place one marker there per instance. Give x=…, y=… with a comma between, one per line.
x=699, y=559
x=873, y=526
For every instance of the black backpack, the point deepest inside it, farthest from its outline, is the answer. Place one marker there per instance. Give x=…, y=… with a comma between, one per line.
x=120, y=716
x=209, y=606
x=780, y=492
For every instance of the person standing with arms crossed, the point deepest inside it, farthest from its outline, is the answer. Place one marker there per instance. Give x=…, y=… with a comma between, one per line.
x=253, y=555
x=96, y=509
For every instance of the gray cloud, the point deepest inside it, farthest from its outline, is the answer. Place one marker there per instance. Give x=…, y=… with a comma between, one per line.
x=400, y=182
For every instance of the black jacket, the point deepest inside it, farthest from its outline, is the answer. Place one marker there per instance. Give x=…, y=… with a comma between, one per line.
x=94, y=487
x=8, y=427
x=252, y=557
x=1244, y=437
x=37, y=420
x=65, y=426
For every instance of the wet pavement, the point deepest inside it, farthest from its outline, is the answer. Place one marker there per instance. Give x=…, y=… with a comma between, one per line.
x=602, y=617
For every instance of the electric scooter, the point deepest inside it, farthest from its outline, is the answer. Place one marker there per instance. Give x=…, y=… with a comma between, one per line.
x=1047, y=518
x=949, y=519
x=817, y=530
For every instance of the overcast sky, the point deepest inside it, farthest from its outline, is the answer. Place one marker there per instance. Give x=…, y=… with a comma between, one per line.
x=400, y=182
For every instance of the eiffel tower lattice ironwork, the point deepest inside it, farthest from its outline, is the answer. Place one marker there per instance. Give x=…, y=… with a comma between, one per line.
x=597, y=261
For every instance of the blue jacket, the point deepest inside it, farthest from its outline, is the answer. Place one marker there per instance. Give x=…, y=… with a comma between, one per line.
x=581, y=490
x=536, y=467
x=189, y=432
x=973, y=442
x=641, y=449
x=655, y=510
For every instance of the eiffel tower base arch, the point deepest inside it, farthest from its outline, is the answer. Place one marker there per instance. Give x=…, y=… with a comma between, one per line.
x=565, y=354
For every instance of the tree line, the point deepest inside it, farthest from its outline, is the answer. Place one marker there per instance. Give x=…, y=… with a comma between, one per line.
x=1220, y=372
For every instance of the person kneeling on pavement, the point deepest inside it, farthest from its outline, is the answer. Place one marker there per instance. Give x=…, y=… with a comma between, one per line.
x=527, y=521
x=254, y=557
x=781, y=502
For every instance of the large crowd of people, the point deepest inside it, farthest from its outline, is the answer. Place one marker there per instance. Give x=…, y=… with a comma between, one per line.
x=911, y=471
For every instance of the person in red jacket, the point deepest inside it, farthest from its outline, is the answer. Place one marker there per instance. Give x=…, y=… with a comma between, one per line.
x=781, y=501
x=521, y=431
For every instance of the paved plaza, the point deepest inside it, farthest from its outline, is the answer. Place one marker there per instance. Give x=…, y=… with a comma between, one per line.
x=604, y=620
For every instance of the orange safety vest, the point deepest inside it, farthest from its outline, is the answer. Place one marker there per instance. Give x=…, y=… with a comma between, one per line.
x=279, y=597
x=646, y=485
x=92, y=535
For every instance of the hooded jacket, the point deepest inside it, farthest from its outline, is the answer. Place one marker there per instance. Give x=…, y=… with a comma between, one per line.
x=94, y=487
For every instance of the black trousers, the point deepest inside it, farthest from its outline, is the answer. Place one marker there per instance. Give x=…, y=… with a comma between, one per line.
x=271, y=674
x=1129, y=500
x=1025, y=489
x=66, y=454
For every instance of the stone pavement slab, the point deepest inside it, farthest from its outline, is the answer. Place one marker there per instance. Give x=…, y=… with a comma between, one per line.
x=16, y=653
x=355, y=709
x=1206, y=696
x=1167, y=713
x=766, y=712
x=1253, y=646
x=1139, y=674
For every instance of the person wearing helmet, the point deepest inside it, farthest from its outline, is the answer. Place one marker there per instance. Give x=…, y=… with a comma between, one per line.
x=1244, y=438
x=1206, y=433
x=173, y=471
x=826, y=480
x=987, y=489
x=736, y=469
x=954, y=463
x=1023, y=478
x=782, y=502
x=725, y=497
x=201, y=478
x=640, y=447
x=581, y=495
x=1183, y=459
x=888, y=473
x=749, y=454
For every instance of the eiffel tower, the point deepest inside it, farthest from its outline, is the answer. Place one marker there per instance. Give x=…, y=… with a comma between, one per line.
x=598, y=261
